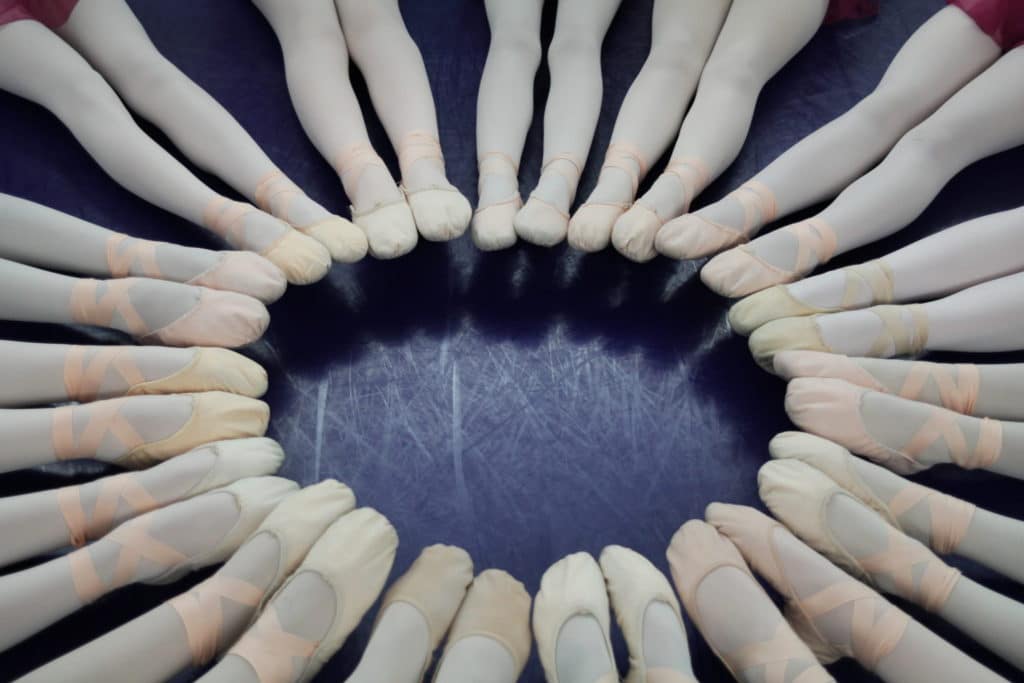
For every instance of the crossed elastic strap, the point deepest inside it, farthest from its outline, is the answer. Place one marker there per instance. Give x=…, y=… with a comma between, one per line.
x=91, y=307
x=276, y=187
x=876, y=627
x=943, y=425
x=958, y=393
x=494, y=164
x=226, y=218
x=873, y=276
x=125, y=254
x=628, y=159
x=83, y=378
x=816, y=243
x=771, y=654
x=900, y=559
x=418, y=145
x=351, y=164
x=269, y=649
x=905, y=341
x=112, y=491
x=758, y=205
x=136, y=545
x=950, y=518
x=571, y=178
x=202, y=614
x=103, y=418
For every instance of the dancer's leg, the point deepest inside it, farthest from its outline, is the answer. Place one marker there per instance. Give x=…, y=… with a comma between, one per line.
x=504, y=110
x=958, y=257
x=316, y=66
x=37, y=65
x=391, y=63
x=570, y=117
x=937, y=60
x=991, y=390
x=756, y=41
x=838, y=616
x=682, y=35
x=905, y=436
x=107, y=33
x=194, y=627
x=946, y=524
x=159, y=546
x=978, y=121
x=33, y=234
x=133, y=432
x=36, y=523
x=984, y=318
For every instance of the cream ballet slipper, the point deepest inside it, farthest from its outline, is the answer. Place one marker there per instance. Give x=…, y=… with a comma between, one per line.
x=415, y=615
x=543, y=221
x=280, y=197
x=389, y=224
x=591, y=227
x=74, y=515
x=214, y=416
x=440, y=210
x=635, y=231
x=710, y=230
x=903, y=331
x=318, y=606
x=878, y=426
x=490, y=637
x=648, y=615
x=867, y=284
x=215, y=319
x=302, y=259
x=573, y=590
x=492, y=227
x=713, y=580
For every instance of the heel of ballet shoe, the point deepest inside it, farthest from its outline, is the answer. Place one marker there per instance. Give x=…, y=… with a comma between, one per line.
x=302, y=259
x=590, y=229
x=540, y=222
x=492, y=226
x=246, y=273
x=345, y=241
x=211, y=369
x=224, y=319
x=390, y=229
x=441, y=213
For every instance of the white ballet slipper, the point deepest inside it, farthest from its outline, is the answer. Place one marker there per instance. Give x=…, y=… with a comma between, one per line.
x=255, y=498
x=787, y=334
x=244, y=272
x=590, y=229
x=573, y=586
x=302, y=259
x=343, y=239
x=441, y=213
x=760, y=308
x=390, y=229
x=237, y=459
x=634, y=584
x=634, y=232
x=541, y=223
x=211, y=369
x=492, y=227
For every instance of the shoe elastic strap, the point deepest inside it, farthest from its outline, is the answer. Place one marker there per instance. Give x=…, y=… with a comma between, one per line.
x=88, y=307
x=959, y=394
x=353, y=161
x=224, y=217
x=202, y=613
x=874, y=276
x=950, y=517
x=905, y=341
x=816, y=243
x=758, y=203
x=418, y=145
x=774, y=654
x=272, y=186
x=900, y=561
x=944, y=424
x=103, y=418
x=269, y=649
x=692, y=173
x=112, y=491
x=84, y=379
x=120, y=261
x=629, y=160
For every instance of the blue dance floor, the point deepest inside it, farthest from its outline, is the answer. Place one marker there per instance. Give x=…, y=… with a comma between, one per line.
x=525, y=404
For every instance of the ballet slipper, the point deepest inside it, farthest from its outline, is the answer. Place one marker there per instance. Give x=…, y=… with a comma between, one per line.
x=211, y=369
x=787, y=334
x=302, y=259
x=441, y=213
x=573, y=586
x=390, y=229
x=832, y=408
x=492, y=227
x=590, y=228
x=740, y=271
x=696, y=551
x=875, y=626
x=352, y=558
x=343, y=239
x=866, y=285
x=793, y=364
x=799, y=495
x=215, y=416
x=244, y=273
x=540, y=222
x=949, y=517
x=496, y=607
x=434, y=586
x=237, y=459
x=634, y=584
x=695, y=236
x=634, y=231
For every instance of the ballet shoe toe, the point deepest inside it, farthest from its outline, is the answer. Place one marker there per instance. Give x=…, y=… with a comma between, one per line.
x=222, y=319
x=738, y=272
x=390, y=230
x=590, y=229
x=783, y=335
x=540, y=223
x=211, y=369
x=492, y=227
x=302, y=259
x=690, y=237
x=244, y=272
x=344, y=240
x=751, y=312
x=634, y=233
x=440, y=214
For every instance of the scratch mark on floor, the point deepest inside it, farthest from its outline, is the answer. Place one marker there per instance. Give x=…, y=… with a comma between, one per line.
x=461, y=491
x=321, y=406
